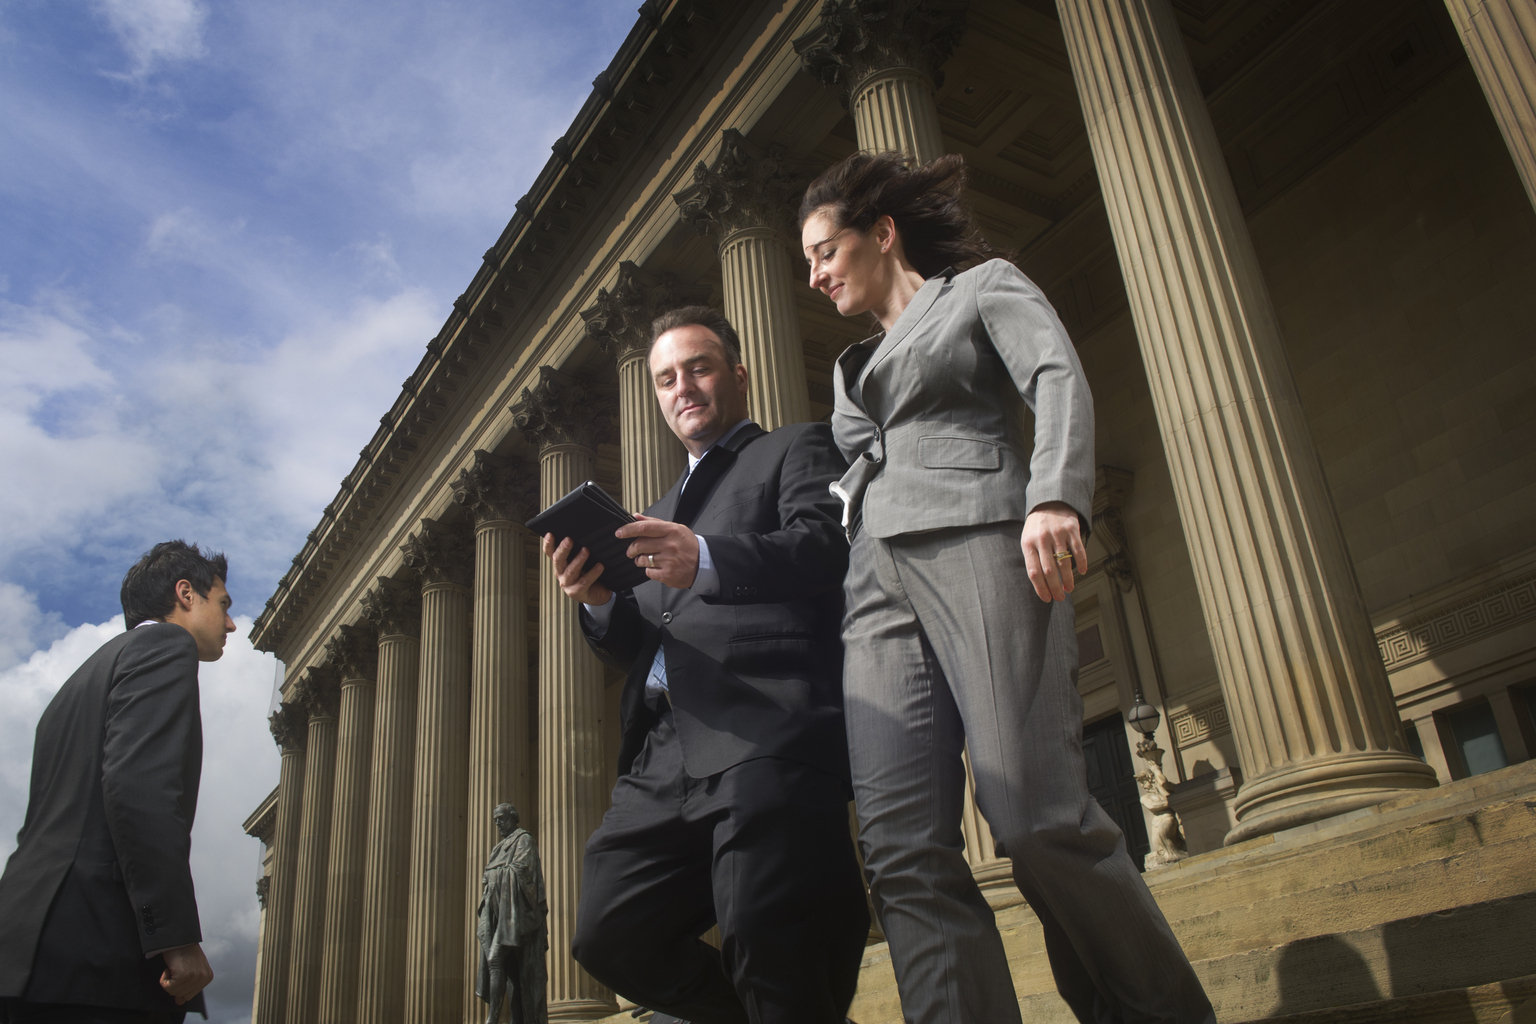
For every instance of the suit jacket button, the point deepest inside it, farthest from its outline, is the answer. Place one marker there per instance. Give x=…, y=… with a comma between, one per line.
x=666, y=616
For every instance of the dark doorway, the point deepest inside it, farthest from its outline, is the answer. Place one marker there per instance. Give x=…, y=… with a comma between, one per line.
x=1112, y=781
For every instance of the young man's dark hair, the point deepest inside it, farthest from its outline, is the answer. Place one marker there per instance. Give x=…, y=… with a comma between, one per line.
x=704, y=316
x=149, y=588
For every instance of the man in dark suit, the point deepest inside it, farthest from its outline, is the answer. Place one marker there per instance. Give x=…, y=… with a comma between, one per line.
x=99, y=918
x=731, y=806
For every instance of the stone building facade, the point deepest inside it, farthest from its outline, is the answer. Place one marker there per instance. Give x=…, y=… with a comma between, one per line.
x=1294, y=243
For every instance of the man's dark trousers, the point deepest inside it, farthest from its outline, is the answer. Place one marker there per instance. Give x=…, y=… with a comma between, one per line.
x=731, y=804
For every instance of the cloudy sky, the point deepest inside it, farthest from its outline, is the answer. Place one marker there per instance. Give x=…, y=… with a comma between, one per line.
x=227, y=231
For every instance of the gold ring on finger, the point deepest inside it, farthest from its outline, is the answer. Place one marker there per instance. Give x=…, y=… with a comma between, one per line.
x=1061, y=555
x=651, y=561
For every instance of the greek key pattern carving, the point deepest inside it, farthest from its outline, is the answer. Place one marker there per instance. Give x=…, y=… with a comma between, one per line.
x=1426, y=636
x=1200, y=723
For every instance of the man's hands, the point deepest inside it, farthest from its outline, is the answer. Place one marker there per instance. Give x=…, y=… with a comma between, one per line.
x=574, y=583
x=1050, y=529
x=186, y=972
x=668, y=551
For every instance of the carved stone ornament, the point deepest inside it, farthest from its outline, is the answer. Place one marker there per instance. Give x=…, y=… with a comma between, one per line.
x=1167, y=839
x=440, y=553
x=620, y=320
x=319, y=690
x=856, y=38
x=561, y=409
x=289, y=725
x=497, y=488
x=263, y=887
x=747, y=186
x=354, y=652
x=394, y=607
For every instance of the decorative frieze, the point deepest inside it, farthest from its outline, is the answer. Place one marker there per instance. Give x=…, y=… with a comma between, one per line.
x=497, y=489
x=747, y=186
x=1202, y=722
x=858, y=38
x=440, y=553
x=1436, y=632
x=393, y=607
x=562, y=409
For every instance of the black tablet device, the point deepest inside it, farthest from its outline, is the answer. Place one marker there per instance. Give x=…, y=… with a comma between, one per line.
x=589, y=515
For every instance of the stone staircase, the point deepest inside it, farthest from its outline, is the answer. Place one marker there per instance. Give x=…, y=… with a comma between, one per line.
x=1421, y=909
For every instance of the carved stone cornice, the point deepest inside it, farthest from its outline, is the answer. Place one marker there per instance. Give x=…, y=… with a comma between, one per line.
x=857, y=38
x=620, y=320
x=440, y=553
x=289, y=725
x=319, y=691
x=561, y=409
x=497, y=488
x=747, y=186
x=393, y=607
x=354, y=652
x=1112, y=487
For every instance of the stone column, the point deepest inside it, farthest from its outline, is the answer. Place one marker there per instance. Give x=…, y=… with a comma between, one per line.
x=746, y=202
x=887, y=57
x=499, y=496
x=393, y=609
x=353, y=654
x=434, y=949
x=320, y=692
x=559, y=418
x=290, y=728
x=1500, y=37
x=620, y=322
x=1312, y=714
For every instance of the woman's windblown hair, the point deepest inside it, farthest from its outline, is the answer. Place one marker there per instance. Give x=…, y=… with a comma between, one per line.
x=935, y=225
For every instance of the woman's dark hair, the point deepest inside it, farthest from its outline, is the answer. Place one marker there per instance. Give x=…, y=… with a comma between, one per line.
x=935, y=225
x=710, y=319
x=149, y=588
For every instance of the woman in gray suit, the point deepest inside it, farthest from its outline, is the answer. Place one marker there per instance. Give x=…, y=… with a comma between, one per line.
x=966, y=518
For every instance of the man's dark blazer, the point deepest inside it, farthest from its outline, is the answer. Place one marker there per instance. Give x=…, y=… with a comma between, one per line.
x=757, y=670
x=100, y=873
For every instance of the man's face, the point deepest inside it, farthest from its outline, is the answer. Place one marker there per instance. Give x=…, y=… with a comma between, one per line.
x=505, y=823
x=701, y=395
x=207, y=619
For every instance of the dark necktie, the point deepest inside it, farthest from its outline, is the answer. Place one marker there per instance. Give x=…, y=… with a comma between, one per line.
x=701, y=482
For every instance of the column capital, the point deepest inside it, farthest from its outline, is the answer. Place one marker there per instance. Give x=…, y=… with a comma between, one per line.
x=747, y=186
x=393, y=607
x=440, y=553
x=289, y=725
x=858, y=38
x=263, y=888
x=319, y=691
x=562, y=409
x=620, y=320
x=497, y=488
x=354, y=651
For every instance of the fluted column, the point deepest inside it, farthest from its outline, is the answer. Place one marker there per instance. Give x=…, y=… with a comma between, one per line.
x=434, y=949
x=1500, y=37
x=290, y=729
x=559, y=419
x=1312, y=714
x=393, y=609
x=319, y=691
x=745, y=201
x=499, y=496
x=887, y=56
x=620, y=321
x=353, y=653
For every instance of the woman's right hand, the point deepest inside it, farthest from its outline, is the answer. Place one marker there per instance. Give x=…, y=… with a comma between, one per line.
x=574, y=583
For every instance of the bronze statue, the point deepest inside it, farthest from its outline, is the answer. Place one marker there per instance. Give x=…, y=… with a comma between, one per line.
x=511, y=927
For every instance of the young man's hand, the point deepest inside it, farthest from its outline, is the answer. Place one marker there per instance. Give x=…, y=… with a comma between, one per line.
x=186, y=972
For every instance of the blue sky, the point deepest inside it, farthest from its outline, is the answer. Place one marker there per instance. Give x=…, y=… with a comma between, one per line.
x=227, y=232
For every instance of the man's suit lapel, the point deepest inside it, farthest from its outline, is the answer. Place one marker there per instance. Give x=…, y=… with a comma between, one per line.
x=714, y=465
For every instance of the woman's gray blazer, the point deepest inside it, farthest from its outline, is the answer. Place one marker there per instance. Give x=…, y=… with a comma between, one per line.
x=933, y=416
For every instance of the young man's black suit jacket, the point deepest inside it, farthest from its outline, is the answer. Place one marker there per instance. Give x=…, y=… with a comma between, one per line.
x=100, y=875
x=757, y=670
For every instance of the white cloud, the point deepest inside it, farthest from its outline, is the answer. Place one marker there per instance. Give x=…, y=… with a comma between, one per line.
x=156, y=31
x=23, y=626
x=240, y=767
